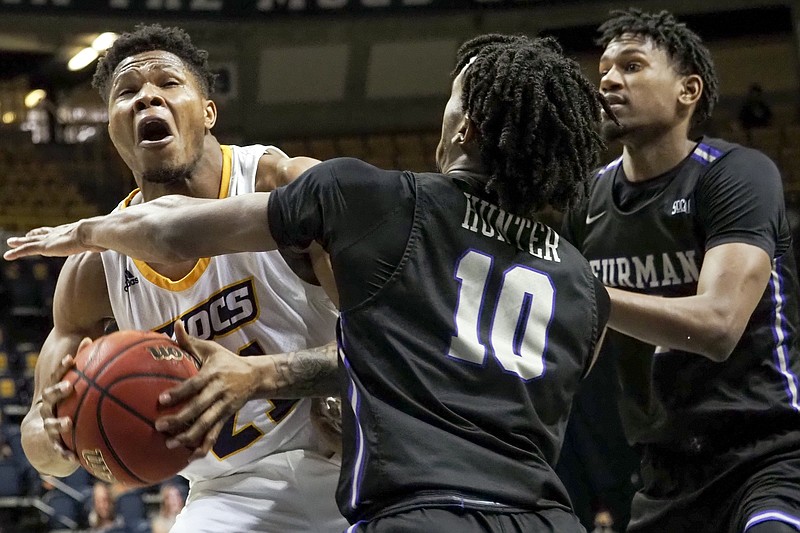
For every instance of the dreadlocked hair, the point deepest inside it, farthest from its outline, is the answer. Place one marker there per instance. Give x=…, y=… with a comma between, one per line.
x=537, y=118
x=683, y=46
x=146, y=38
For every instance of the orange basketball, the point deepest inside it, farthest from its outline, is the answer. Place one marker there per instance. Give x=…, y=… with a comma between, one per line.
x=117, y=381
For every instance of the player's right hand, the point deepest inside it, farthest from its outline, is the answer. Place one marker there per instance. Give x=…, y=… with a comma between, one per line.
x=57, y=391
x=223, y=385
x=59, y=241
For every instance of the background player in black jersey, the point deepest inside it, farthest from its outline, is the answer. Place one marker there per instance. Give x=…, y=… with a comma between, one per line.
x=693, y=236
x=466, y=324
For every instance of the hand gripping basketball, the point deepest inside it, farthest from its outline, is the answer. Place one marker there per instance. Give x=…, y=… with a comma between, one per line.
x=117, y=380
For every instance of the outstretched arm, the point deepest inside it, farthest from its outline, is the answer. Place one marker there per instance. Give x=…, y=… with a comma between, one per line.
x=169, y=229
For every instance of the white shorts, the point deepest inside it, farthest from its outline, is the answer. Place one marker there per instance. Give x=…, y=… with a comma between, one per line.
x=288, y=492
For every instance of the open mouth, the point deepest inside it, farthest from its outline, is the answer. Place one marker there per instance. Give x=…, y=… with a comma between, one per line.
x=153, y=131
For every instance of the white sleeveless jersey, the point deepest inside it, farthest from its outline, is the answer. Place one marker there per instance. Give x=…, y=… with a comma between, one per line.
x=251, y=303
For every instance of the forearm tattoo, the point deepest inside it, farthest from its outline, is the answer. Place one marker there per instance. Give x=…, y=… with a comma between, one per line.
x=310, y=372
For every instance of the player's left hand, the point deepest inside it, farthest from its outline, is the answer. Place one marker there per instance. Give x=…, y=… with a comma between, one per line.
x=326, y=417
x=223, y=385
x=59, y=241
x=58, y=390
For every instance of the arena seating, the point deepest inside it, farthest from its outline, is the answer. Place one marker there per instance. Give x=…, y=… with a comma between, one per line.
x=36, y=189
x=405, y=151
x=780, y=142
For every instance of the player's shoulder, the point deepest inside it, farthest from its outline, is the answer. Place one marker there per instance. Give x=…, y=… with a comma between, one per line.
x=352, y=172
x=83, y=265
x=82, y=274
x=716, y=152
x=349, y=164
x=607, y=171
x=82, y=290
x=255, y=150
x=721, y=165
x=600, y=182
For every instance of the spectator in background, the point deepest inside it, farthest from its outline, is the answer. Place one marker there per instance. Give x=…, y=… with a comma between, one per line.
x=103, y=516
x=5, y=445
x=603, y=522
x=171, y=504
x=755, y=112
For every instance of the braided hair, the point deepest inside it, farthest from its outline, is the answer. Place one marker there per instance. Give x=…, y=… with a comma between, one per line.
x=537, y=118
x=683, y=46
x=146, y=38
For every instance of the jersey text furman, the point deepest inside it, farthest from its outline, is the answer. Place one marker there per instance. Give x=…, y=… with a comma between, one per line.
x=648, y=271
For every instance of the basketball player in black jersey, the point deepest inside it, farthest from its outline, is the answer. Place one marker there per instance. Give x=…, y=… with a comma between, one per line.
x=692, y=239
x=466, y=324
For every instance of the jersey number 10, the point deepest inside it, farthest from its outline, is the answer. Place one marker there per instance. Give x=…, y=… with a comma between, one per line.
x=523, y=309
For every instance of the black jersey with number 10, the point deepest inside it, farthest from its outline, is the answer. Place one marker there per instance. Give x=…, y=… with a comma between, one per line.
x=460, y=370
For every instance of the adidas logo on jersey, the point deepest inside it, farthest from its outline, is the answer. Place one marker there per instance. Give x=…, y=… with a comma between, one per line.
x=130, y=280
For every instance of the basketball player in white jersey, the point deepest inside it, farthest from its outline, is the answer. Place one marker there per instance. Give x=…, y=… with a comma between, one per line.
x=269, y=469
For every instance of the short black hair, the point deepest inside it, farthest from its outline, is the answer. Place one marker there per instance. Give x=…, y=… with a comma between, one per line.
x=537, y=117
x=683, y=46
x=146, y=38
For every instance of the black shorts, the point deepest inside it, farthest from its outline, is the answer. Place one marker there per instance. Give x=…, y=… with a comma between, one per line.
x=722, y=493
x=461, y=520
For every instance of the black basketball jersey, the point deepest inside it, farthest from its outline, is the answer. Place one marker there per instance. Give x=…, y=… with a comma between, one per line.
x=460, y=370
x=721, y=193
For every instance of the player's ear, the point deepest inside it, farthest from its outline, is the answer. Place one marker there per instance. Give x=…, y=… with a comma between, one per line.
x=467, y=131
x=691, y=89
x=211, y=114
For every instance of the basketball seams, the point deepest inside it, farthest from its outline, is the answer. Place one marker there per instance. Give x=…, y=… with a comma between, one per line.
x=97, y=391
x=108, y=444
x=122, y=351
x=107, y=395
x=104, y=392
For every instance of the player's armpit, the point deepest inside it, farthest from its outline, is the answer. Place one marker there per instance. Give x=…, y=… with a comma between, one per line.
x=313, y=265
x=321, y=263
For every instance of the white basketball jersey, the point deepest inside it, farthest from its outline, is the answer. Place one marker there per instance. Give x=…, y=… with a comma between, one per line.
x=251, y=303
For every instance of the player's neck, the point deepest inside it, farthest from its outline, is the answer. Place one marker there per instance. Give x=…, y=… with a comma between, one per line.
x=205, y=183
x=467, y=166
x=649, y=159
x=205, y=179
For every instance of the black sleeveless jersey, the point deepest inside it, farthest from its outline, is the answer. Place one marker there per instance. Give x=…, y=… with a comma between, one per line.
x=460, y=369
x=721, y=193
